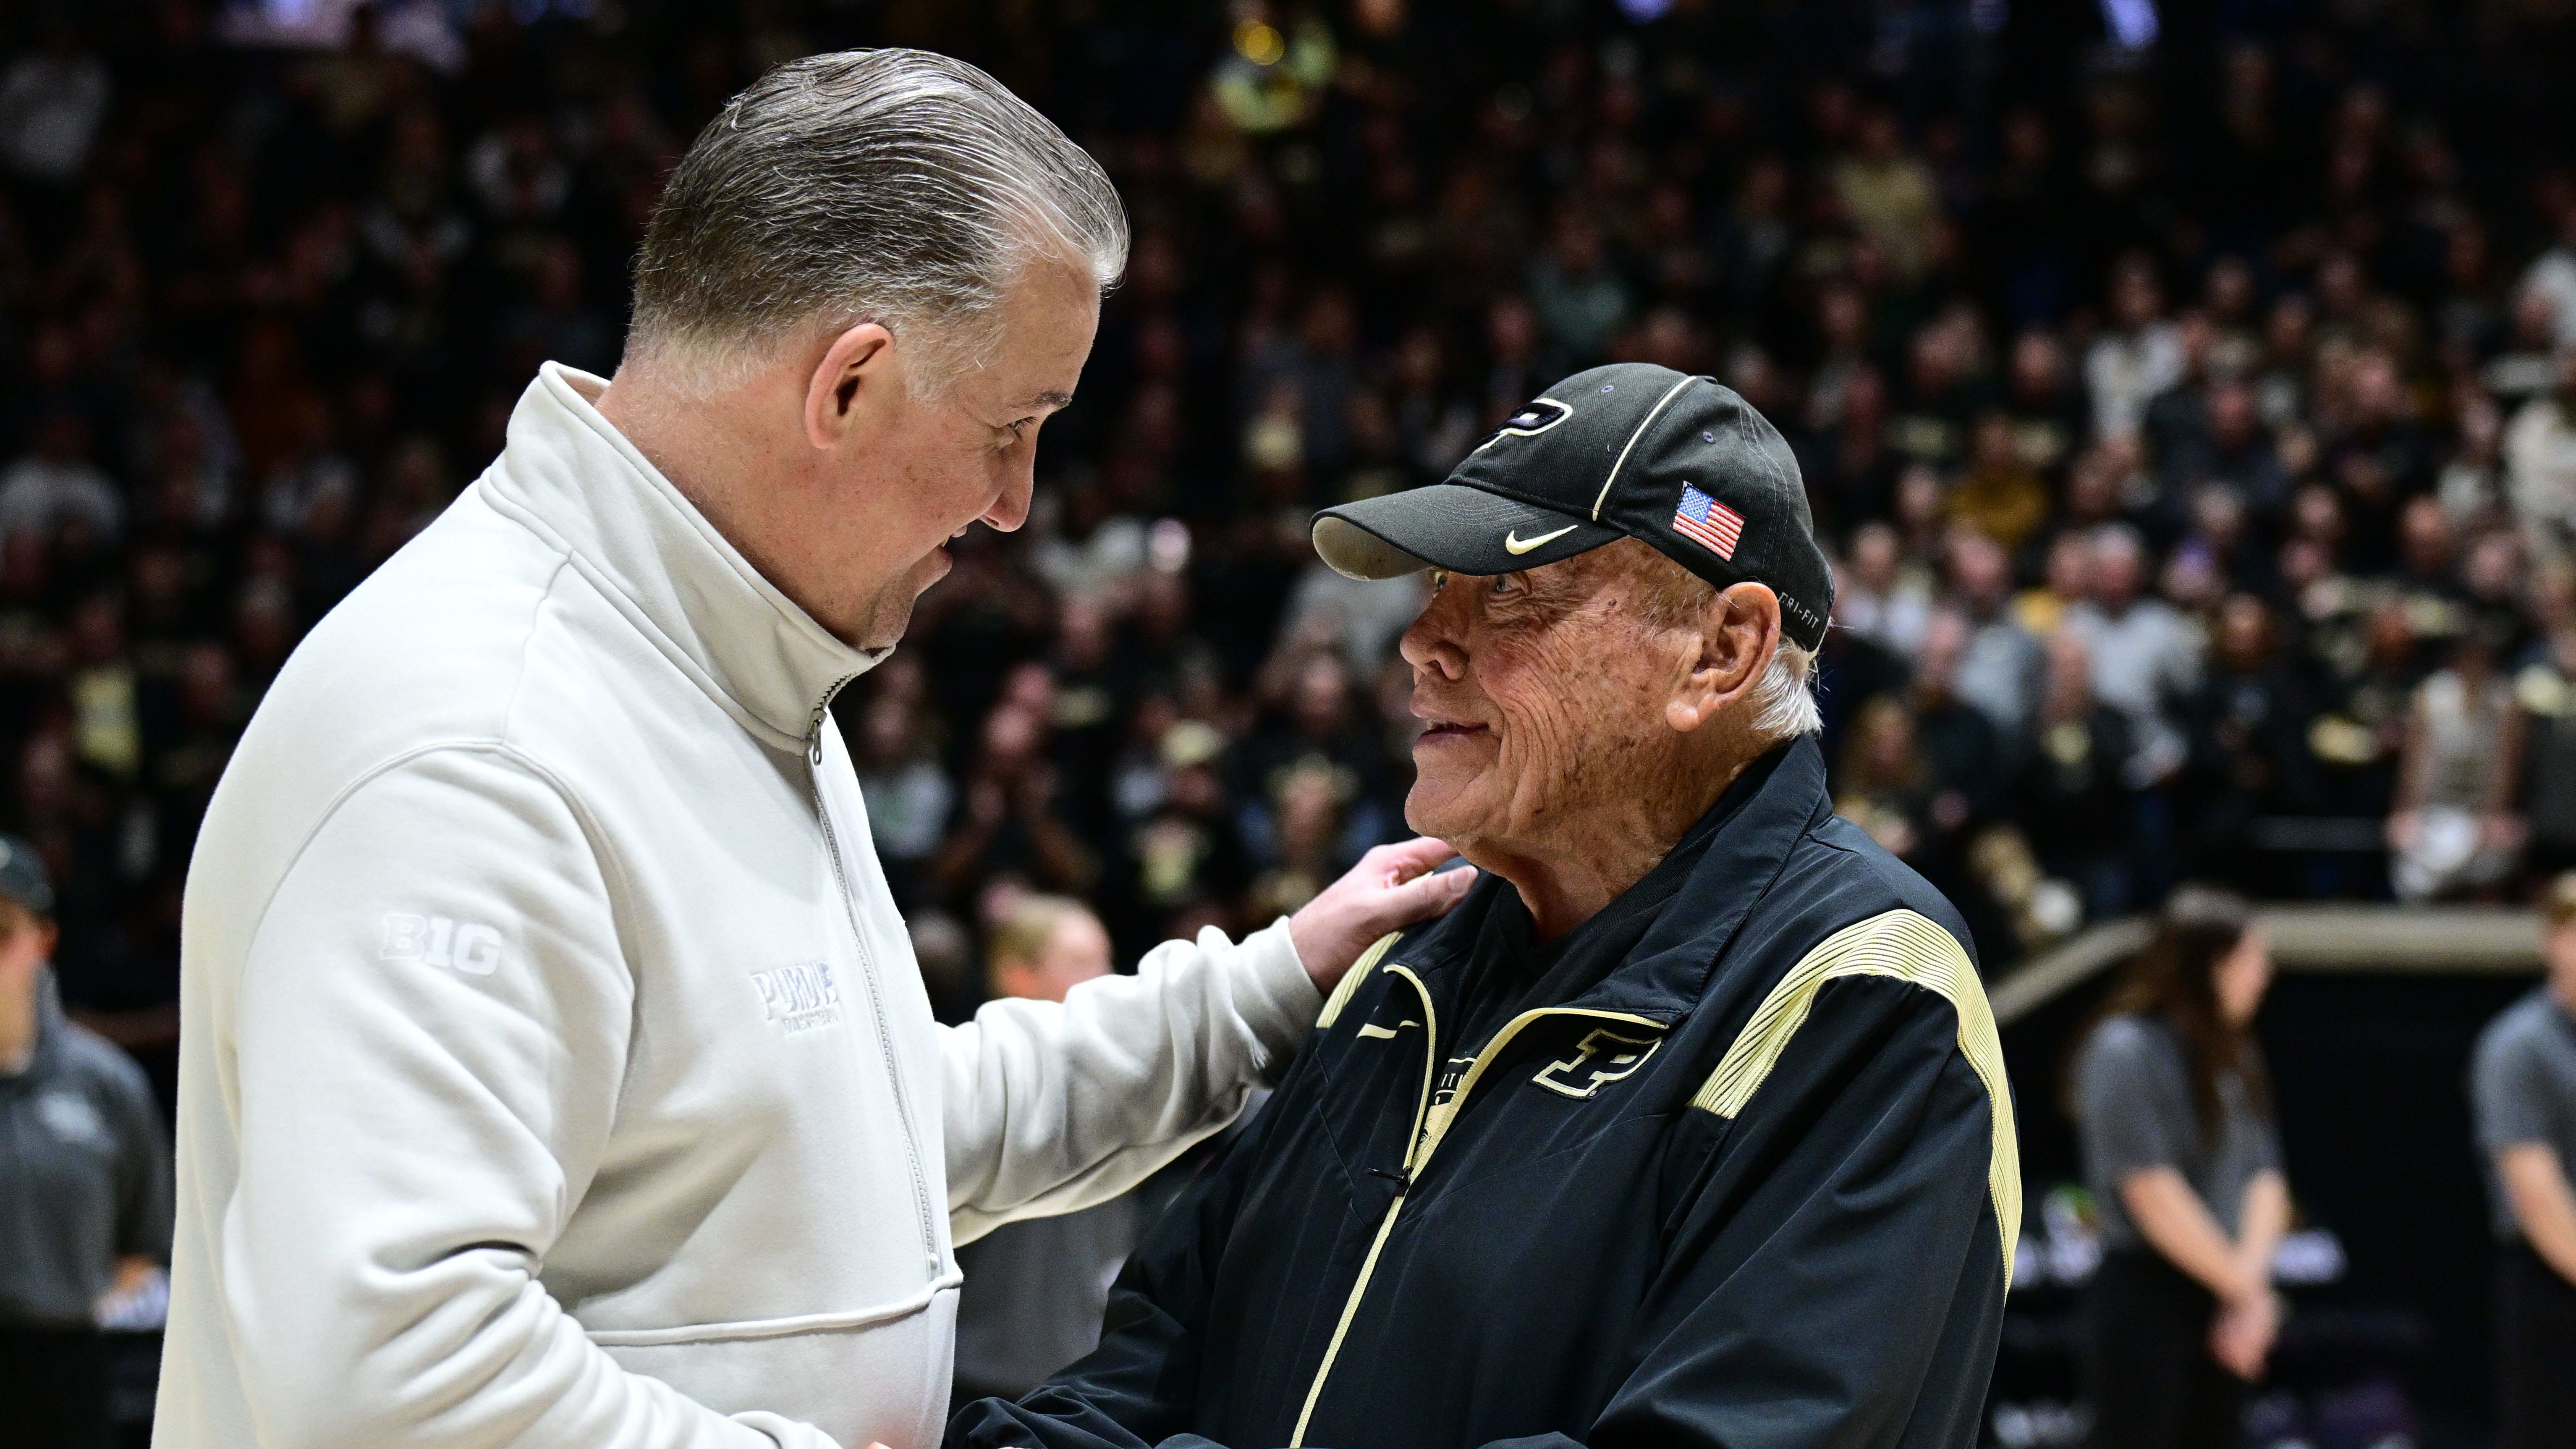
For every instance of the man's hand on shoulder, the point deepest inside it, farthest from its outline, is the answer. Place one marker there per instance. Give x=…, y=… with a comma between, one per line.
x=1392, y=887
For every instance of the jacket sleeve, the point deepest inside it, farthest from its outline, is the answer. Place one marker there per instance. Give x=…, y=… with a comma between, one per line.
x=1139, y=1387
x=428, y=1035
x=1836, y=1264
x=1050, y=1108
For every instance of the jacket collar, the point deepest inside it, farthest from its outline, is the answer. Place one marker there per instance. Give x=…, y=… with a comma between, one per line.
x=1761, y=817
x=567, y=473
x=1777, y=800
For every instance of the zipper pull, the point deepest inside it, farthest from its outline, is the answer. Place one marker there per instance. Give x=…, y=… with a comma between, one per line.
x=814, y=722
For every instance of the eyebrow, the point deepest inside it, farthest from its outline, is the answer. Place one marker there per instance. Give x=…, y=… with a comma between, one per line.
x=1049, y=400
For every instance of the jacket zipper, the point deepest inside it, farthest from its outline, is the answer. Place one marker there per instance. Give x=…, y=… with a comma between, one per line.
x=1429, y=1126
x=868, y=973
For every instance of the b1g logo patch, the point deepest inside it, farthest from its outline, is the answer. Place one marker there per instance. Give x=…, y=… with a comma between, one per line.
x=468, y=946
x=1605, y=1055
x=1533, y=418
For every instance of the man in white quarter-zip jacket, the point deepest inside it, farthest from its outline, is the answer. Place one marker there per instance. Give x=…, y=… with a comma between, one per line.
x=554, y=1067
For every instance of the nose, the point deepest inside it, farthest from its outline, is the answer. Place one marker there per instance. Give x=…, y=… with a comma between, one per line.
x=1011, y=508
x=1430, y=643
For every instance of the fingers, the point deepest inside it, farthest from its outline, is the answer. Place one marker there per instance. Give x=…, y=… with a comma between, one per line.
x=1431, y=895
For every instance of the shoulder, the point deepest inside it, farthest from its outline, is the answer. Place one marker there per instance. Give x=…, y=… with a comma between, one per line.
x=429, y=647
x=1844, y=914
x=102, y=1066
x=2520, y=1030
x=1836, y=876
x=431, y=653
x=2127, y=1044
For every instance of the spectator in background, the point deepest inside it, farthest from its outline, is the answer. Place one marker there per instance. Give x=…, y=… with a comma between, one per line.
x=56, y=483
x=2000, y=671
x=1882, y=783
x=52, y=99
x=908, y=795
x=2545, y=689
x=2139, y=356
x=2174, y=1111
x=2001, y=496
x=1962, y=749
x=84, y=1183
x=2540, y=459
x=2456, y=826
x=1010, y=822
x=2553, y=272
x=2246, y=730
x=1184, y=865
x=2073, y=792
x=1578, y=299
x=1879, y=594
x=1035, y=1288
x=2523, y=1084
x=2146, y=657
x=1889, y=193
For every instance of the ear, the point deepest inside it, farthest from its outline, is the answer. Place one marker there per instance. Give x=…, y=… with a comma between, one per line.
x=1739, y=635
x=857, y=371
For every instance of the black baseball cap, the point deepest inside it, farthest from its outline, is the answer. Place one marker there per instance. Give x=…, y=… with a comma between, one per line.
x=1631, y=450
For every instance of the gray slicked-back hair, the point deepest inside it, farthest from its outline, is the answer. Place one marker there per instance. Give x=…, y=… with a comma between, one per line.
x=894, y=186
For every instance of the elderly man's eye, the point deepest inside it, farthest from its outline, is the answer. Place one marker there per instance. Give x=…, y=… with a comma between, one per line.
x=1439, y=580
x=1502, y=583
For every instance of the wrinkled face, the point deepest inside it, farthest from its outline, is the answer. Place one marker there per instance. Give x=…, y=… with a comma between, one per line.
x=1543, y=695
x=928, y=468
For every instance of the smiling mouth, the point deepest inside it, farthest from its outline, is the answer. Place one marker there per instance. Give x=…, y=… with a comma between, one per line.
x=1450, y=729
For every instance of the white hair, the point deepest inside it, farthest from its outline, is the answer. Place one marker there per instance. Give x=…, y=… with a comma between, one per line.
x=890, y=186
x=1784, y=699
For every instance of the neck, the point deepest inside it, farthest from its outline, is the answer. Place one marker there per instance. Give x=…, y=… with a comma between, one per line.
x=715, y=451
x=2562, y=984
x=1591, y=858
x=18, y=1025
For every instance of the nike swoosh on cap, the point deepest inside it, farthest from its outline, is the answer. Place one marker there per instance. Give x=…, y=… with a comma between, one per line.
x=1514, y=543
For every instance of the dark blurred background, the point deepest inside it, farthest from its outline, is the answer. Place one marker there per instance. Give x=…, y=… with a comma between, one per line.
x=2186, y=392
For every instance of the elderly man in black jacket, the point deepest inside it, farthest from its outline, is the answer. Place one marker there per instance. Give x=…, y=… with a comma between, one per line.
x=1689, y=1125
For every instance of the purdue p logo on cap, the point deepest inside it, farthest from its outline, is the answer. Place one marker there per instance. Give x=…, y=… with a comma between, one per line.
x=1533, y=418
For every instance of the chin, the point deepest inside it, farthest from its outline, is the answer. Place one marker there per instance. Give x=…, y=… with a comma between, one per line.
x=1433, y=808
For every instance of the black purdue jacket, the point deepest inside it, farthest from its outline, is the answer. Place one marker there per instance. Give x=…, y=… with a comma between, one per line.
x=1753, y=1185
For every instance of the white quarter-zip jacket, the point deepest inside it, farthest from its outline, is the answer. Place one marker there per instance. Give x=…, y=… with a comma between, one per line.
x=554, y=1069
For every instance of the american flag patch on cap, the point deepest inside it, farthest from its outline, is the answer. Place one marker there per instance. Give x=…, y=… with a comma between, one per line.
x=1709, y=523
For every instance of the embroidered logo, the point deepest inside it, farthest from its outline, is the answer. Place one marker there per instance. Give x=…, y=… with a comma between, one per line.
x=1534, y=417
x=1602, y=1057
x=71, y=1118
x=1513, y=543
x=1710, y=524
x=468, y=946
x=799, y=997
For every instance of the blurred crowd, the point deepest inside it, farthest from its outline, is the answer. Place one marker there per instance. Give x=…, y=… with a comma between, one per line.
x=2191, y=413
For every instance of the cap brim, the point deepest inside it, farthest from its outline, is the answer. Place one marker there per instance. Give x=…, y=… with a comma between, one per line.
x=1449, y=526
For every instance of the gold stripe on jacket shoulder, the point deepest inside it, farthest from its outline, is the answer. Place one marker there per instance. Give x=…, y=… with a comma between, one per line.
x=1912, y=948
x=1351, y=979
